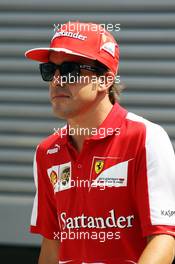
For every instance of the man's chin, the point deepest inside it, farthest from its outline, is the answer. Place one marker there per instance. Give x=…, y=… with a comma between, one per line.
x=59, y=114
x=63, y=114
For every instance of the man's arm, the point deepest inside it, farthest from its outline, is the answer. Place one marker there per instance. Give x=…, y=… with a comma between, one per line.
x=160, y=250
x=49, y=253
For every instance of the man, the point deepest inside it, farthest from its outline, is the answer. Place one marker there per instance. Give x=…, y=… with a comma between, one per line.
x=105, y=195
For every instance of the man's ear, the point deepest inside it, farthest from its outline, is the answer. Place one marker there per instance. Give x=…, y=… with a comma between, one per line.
x=106, y=81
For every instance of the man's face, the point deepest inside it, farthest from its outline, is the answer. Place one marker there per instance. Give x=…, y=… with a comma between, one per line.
x=72, y=99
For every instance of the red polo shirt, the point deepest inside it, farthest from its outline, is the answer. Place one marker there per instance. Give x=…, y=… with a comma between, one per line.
x=102, y=203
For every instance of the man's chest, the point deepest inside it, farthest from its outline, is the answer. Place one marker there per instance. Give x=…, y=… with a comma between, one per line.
x=101, y=176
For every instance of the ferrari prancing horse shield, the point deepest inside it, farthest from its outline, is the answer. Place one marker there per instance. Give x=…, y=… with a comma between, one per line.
x=99, y=164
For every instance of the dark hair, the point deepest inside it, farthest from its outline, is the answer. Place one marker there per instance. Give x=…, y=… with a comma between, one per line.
x=115, y=89
x=114, y=92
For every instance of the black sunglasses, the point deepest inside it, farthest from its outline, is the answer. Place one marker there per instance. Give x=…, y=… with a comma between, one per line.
x=68, y=70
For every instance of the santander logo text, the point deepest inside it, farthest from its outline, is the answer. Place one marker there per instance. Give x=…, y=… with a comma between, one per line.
x=83, y=221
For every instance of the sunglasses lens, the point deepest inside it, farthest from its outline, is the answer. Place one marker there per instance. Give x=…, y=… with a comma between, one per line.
x=70, y=72
x=47, y=71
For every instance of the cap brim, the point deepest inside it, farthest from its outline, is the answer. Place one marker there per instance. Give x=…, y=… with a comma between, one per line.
x=42, y=54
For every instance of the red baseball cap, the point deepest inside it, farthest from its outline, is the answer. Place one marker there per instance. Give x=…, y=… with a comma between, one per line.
x=88, y=40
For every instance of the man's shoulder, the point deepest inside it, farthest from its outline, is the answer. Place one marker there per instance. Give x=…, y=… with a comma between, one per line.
x=142, y=121
x=144, y=125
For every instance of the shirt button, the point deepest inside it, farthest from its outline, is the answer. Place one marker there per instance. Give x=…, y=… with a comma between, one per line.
x=79, y=166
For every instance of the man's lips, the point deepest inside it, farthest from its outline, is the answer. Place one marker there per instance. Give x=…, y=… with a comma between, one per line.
x=60, y=96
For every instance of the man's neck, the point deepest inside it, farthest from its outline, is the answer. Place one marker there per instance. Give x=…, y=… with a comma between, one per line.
x=88, y=120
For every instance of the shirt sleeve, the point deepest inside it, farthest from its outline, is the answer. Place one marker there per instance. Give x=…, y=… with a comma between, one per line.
x=44, y=219
x=155, y=183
